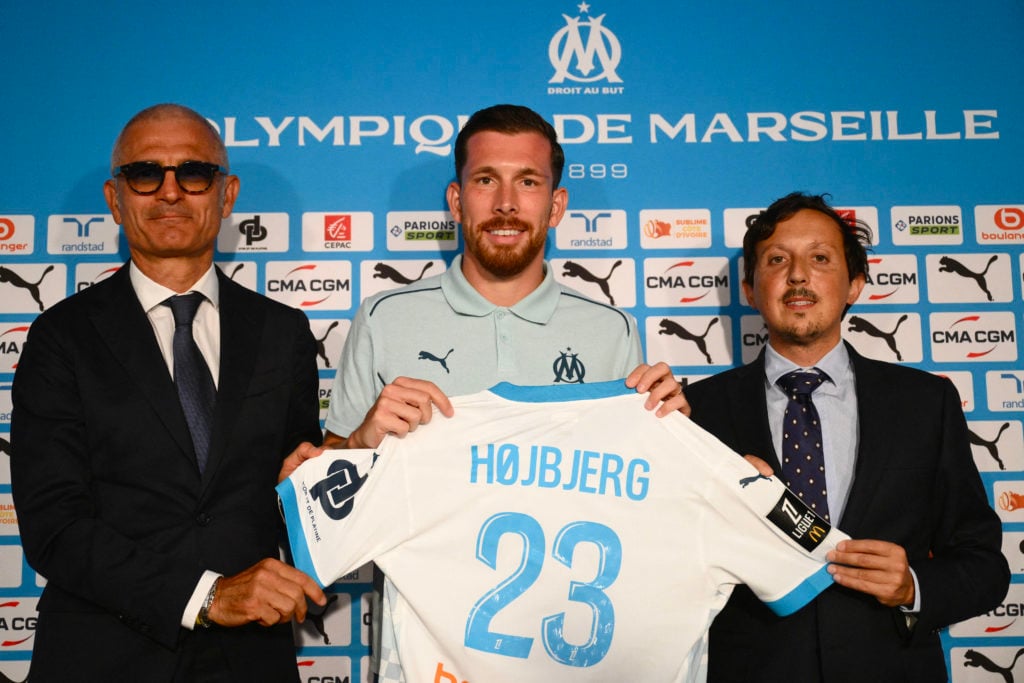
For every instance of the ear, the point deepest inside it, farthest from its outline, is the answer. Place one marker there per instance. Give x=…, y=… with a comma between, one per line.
x=559, y=203
x=454, y=196
x=748, y=291
x=231, y=187
x=856, y=287
x=110, y=194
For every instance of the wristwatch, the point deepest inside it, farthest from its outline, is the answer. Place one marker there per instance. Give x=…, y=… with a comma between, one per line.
x=203, y=618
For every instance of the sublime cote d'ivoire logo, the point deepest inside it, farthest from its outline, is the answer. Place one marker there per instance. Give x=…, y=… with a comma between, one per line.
x=584, y=51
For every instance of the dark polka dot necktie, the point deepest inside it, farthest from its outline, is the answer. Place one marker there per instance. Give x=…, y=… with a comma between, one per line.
x=196, y=390
x=803, y=459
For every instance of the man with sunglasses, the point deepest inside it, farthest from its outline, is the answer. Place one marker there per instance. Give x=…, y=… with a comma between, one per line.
x=149, y=430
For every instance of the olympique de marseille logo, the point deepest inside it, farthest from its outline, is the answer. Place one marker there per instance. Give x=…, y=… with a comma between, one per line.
x=574, y=49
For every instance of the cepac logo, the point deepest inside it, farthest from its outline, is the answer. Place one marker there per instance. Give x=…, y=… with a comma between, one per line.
x=82, y=234
x=327, y=625
x=891, y=280
x=584, y=51
x=592, y=229
x=311, y=286
x=1006, y=620
x=248, y=232
x=330, y=338
x=885, y=336
x=863, y=214
x=337, y=231
x=686, y=282
x=973, y=337
x=1005, y=390
x=995, y=223
x=690, y=340
x=969, y=278
x=382, y=276
x=17, y=234
x=12, y=341
x=31, y=287
x=915, y=225
x=675, y=228
x=997, y=445
x=422, y=231
x=17, y=624
x=610, y=281
x=88, y=274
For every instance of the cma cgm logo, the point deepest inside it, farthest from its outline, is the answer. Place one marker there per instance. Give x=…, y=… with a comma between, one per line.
x=325, y=285
x=690, y=282
x=985, y=337
x=584, y=51
x=891, y=280
x=12, y=341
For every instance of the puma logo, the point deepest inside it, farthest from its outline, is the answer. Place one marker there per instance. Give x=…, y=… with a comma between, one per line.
x=858, y=324
x=948, y=264
x=427, y=355
x=386, y=272
x=674, y=328
x=747, y=481
x=9, y=276
x=573, y=269
x=234, y=271
x=990, y=446
x=5, y=446
x=316, y=614
x=980, y=661
x=321, y=349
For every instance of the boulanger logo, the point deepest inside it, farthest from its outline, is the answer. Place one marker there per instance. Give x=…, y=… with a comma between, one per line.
x=690, y=340
x=675, y=228
x=891, y=280
x=337, y=231
x=12, y=341
x=584, y=51
x=422, y=231
x=927, y=225
x=592, y=229
x=380, y=276
x=969, y=278
x=610, y=281
x=999, y=223
x=316, y=286
x=686, y=282
x=31, y=287
x=17, y=234
x=82, y=234
x=246, y=232
x=978, y=337
x=885, y=336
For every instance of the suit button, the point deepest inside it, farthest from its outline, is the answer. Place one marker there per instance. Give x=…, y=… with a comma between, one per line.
x=203, y=519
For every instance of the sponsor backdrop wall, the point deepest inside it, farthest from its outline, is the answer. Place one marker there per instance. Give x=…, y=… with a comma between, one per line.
x=678, y=119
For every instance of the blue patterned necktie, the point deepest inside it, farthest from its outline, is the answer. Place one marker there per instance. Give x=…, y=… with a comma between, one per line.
x=196, y=390
x=803, y=459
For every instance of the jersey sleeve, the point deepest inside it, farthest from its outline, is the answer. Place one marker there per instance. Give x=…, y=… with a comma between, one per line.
x=355, y=386
x=343, y=509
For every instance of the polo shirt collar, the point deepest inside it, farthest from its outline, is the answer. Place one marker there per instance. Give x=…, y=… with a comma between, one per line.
x=537, y=307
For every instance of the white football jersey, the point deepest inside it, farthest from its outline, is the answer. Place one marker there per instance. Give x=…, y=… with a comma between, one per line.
x=558, y=533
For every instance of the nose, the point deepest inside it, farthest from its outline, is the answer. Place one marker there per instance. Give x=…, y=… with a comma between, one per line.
x=505, y=200
x=169, y=191
x=797, y=272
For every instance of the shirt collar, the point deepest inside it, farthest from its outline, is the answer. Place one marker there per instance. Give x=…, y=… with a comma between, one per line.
x=537, y=307
x=151, y=294
x=835, y=364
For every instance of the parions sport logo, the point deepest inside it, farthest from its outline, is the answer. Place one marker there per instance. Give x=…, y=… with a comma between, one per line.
x=973, y=337
x=311, y=286
x=584, y=51
x=912, y=225
x=677, y=282
x=891, y=280
x=421, y=231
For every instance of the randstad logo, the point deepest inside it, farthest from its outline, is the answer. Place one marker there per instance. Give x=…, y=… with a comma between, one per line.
x=584, y=51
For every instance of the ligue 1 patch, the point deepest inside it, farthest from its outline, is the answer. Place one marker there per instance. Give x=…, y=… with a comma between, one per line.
x=798, y=521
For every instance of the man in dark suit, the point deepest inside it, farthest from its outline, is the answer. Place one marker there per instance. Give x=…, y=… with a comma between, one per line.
x=897, y=473
x=156, y=529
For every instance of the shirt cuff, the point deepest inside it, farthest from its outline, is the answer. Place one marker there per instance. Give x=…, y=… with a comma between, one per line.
x=195, y=603
x=916, y=607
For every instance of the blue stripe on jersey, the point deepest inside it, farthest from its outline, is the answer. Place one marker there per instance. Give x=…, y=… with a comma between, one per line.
x=808, y=589
x=296, y=537
x=558, y=393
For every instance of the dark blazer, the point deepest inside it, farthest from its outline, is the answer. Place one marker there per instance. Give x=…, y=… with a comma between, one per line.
x=915, y=484
x=111, y=507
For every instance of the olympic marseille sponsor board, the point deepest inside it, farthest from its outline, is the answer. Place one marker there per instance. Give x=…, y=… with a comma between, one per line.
x=999, y=223
x=1013, y=550
x=12, y=343
x=1005, y=390
x=915, y=225
x=985, y=664
x=337, y=231
x=986, y=337
x=893, y=337
x=422, y=231
x=82, y=234
x=592, y=229
x=324, y=394
x=1009, y=501
x=5, y=462
x=891, y=279
x=1005, y=621
x=969, y=278
x=328, y=625
x=31, y=287
x=8, y=516
x=253, y=232
x=963, y=380
x=611, y=281
x=735, y=223
x=17, y=234
x=88, y=274
x=675, y=228
x=10, y=566
x=16, y=671
x=327, y=669
x=377, y=276
x=330, y=335
x=753, y=336
x=17, y=624
x=699, y=340
x=242, y=272
x=5, y=414
x=864, y=214
x=997, y=445
x=687, y=282
x=310, y=285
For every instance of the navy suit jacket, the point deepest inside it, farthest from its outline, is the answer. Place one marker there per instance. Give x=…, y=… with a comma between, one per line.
x=915, y=484
x=111, y=507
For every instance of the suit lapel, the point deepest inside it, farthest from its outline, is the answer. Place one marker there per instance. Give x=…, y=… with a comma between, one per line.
x=747, y=395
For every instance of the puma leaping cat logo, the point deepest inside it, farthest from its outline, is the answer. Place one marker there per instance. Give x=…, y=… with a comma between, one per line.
x=386, y=272
x=978, y=660
x=948, y=264
x=990, y=446
x=573, y=269
x=427, y=355
x=316, y=617
x=747, y=481
x=674, y=328
x=321, y=350
x=9, y=276
x=858, y=324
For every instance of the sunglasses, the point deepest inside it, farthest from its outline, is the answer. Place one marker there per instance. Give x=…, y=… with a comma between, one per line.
x=146, y=177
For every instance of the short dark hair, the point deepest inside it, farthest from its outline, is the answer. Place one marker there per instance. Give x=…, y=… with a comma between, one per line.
x=509, y=119
x=760, y=226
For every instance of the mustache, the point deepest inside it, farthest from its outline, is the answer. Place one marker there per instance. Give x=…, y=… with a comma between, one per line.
x=800, y=292
x=499, y=222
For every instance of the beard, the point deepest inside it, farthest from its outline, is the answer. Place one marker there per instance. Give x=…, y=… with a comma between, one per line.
x=505, y=261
